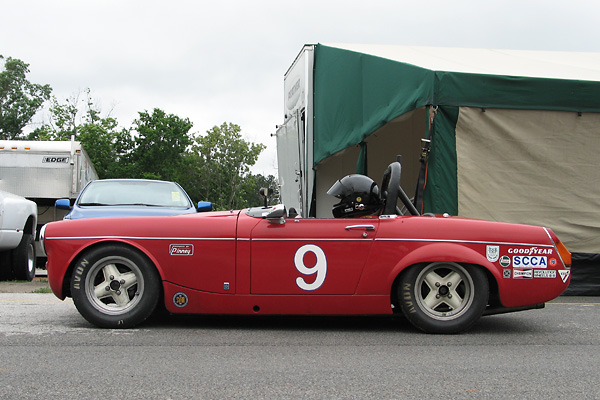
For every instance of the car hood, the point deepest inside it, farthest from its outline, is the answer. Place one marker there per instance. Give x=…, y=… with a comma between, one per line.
x=124, y=211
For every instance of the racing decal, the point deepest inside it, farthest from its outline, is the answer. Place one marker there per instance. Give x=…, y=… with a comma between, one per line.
x=564, y=274
x=181, y=249
x=492, y=253
x=319, y=268
x=506, y=273
x=505, y=261
x=531, y=251
x=544, y=273
x=553, y=262
x=530, y=261
x=180, y=299
x=522, y=273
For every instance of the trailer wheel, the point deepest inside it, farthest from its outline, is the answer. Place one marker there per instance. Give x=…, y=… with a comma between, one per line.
x=23, y=259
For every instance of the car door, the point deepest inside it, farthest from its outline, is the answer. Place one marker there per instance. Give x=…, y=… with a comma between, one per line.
x=310, y=256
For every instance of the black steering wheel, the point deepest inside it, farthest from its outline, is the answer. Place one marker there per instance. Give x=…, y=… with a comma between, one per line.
x=391, y=191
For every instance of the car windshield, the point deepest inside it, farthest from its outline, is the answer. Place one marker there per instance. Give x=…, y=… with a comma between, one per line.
x=134, y=193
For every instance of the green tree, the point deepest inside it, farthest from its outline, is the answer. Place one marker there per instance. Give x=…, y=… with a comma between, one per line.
x=81, y=118
x=219, y=165
x=160, y=143
x=19, y=98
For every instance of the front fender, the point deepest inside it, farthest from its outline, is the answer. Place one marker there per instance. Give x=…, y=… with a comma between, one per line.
x=60, y=282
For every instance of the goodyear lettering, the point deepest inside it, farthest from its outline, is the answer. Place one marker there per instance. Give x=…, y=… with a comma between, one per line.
x=531, y=251
x=530, y=261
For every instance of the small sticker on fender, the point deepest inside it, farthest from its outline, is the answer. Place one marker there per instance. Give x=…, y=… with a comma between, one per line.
x=181, y=249
x=180, y=299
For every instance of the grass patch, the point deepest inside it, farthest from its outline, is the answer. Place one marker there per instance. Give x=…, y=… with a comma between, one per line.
x=43, y=290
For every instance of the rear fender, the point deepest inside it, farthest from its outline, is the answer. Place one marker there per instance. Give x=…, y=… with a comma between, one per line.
x=444, y=252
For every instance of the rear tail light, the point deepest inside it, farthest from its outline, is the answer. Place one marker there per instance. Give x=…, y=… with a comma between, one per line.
x=565, y=255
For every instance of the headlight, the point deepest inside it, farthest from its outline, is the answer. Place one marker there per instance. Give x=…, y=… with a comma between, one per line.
x=42, y=237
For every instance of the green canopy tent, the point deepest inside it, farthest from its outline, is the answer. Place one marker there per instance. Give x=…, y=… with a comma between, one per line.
x=515, y=135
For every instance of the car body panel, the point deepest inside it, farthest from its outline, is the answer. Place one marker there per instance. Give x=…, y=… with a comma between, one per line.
x=235, y=263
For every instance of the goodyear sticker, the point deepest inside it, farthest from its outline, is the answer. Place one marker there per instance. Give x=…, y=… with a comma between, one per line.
x=180, y=299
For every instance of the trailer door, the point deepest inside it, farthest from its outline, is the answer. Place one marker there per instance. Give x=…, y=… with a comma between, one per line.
x=290, y=161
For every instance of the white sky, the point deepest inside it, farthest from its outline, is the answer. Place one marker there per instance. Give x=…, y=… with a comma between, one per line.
x=224, y=61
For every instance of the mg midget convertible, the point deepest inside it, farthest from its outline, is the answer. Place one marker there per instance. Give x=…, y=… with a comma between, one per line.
x=441, y=272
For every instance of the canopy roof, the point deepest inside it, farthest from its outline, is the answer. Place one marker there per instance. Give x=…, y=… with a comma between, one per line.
x=535, y=64
x=360, y=88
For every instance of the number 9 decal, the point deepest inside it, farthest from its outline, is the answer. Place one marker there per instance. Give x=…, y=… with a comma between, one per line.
x=320, y=267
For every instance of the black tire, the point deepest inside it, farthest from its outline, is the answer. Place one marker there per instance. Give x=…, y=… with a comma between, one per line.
x=6, y=271
x=23, y=259
x=115, y=287
x=443, y=297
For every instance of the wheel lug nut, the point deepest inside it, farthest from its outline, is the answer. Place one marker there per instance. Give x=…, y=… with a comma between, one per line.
x=449, y=296
x=112, y=277
x=437, y=284
x=437, y=296
x=449, y=284
x=107, y=288
x=122, y=281
x=118, y=292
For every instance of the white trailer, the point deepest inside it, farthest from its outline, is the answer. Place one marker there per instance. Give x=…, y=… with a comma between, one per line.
x=295, y=135
x=44, y=171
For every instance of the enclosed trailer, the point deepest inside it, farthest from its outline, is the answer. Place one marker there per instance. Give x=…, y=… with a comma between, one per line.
x=503, y=135
x=44, y=171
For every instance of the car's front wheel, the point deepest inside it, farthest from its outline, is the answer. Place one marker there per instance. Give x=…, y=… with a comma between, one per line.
x=115, y=287
x=443, y=297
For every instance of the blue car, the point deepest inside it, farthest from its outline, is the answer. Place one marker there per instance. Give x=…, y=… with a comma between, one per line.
x=130, y=197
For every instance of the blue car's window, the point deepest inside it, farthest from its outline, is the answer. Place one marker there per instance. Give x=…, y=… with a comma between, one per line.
x=139, y=193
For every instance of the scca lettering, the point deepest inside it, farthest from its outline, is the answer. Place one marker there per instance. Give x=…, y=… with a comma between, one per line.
x=530, y=261
x=531, y=251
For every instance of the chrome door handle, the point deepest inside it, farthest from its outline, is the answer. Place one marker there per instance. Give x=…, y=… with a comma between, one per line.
x=365, y=227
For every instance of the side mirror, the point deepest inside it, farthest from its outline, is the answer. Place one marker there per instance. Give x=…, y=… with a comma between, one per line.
x=62, y=204
x=265, y=193
x=204, y=206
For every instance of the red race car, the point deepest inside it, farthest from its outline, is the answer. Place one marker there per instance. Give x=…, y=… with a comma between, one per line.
x=443, y=273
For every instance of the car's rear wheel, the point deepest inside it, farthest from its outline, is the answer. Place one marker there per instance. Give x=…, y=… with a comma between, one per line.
x=443, y=297
x=115, y=287
x=23, y=259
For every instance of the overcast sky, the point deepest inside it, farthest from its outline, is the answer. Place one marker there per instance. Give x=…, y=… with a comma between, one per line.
x=224, y=61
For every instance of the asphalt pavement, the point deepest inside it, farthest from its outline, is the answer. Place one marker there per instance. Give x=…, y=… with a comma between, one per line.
x=47, y=350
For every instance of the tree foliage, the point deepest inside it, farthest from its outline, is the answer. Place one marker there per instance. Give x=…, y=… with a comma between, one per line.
x=19, y=98
x=219, y=165
x=160, y=144
x=214, y=167
x=100, y=136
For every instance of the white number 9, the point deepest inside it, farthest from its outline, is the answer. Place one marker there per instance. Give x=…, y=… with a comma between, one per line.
x=320, y=267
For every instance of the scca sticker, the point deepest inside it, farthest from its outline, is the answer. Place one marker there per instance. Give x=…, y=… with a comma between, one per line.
x=181, y=249
x=530, y=261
